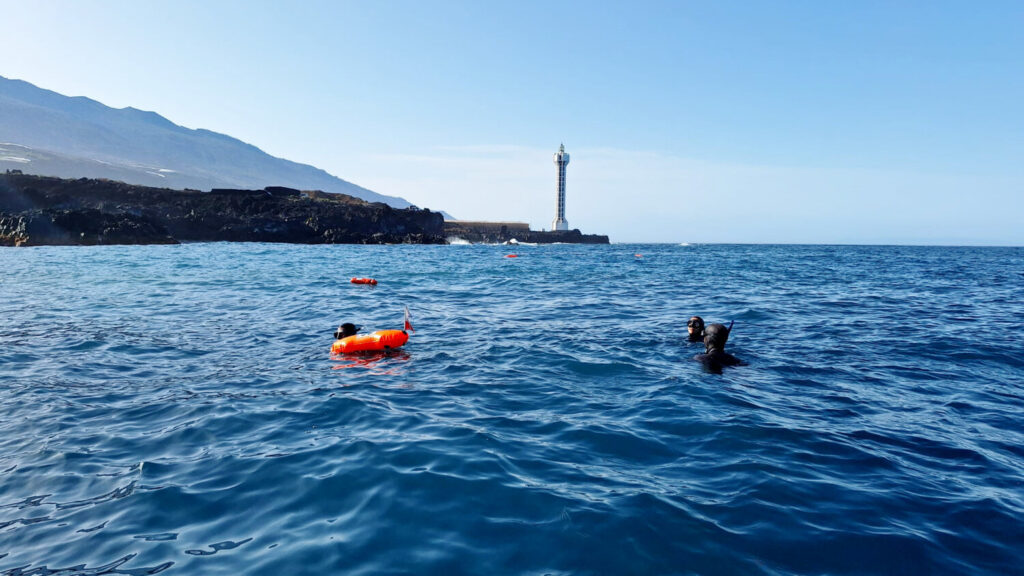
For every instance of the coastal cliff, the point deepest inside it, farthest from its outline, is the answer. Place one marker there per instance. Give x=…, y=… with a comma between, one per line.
x=41, y=210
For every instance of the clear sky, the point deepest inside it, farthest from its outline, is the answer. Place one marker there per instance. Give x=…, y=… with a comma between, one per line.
x=748, y=121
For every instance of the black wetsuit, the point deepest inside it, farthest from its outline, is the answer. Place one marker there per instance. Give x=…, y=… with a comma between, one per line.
x=715, y=360
x=715, y=357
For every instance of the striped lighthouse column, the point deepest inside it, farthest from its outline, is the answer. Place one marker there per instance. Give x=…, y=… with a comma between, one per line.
x=562, y=160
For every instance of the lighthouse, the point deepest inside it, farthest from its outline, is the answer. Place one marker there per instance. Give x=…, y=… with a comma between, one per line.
x=562, y=160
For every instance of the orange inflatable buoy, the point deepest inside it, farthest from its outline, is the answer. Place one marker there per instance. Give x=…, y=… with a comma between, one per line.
x=375, y=342
x=369, y=281
x=511, y=255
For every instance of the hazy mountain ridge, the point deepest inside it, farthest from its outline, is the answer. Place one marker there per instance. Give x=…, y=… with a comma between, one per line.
x=80, y=137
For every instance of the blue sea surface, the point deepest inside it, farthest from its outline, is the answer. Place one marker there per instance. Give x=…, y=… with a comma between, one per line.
x=175, y=409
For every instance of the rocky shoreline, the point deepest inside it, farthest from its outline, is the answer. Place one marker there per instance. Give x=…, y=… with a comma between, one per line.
x=42, y=210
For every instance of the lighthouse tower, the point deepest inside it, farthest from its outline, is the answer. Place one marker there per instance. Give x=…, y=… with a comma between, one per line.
x=562, y=160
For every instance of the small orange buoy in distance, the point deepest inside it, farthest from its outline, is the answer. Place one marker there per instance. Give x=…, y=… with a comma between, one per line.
x=511, y=255
x=369, y=281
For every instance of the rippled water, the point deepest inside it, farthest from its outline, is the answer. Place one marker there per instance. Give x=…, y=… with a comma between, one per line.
x=174, y=409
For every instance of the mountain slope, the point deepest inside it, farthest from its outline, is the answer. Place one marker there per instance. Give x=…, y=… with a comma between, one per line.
x=44, y=132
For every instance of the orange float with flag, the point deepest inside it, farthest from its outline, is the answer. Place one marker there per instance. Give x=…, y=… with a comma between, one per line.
x=379, y=341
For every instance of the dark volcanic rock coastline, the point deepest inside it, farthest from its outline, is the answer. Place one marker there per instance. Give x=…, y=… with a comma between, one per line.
x=40, y=210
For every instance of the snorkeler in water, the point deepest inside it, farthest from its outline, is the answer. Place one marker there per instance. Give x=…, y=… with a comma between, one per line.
x=715, y=357
x=345, y=330
x=695, y=329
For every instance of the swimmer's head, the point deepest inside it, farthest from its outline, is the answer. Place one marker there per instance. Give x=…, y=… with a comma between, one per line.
x=715, y=337
x=345, y=330
x=695, y=328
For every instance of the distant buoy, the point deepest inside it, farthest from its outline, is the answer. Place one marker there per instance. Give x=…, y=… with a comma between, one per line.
x=638, y=255
x=511, y=255
x=369, y=281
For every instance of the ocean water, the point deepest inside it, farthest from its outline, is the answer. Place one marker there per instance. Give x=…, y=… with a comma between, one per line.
x=174, y=409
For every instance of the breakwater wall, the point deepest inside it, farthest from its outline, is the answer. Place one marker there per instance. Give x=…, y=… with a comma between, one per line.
x=500, y=232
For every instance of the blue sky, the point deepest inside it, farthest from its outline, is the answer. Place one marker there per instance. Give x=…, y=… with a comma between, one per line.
x=821, y=122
